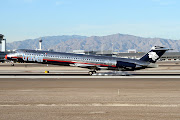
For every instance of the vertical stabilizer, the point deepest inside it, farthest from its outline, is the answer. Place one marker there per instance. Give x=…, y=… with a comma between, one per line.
x=154, y=54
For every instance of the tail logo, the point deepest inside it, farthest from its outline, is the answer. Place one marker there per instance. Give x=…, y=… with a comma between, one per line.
x=153, y=56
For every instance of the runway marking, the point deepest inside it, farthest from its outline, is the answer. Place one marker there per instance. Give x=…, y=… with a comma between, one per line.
x=24, y=90
x=98, y=112
x=35, y=77
x=93, y=104
x=83, y=71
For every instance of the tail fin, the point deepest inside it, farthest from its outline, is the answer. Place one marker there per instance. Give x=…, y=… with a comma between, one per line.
x=154, y=54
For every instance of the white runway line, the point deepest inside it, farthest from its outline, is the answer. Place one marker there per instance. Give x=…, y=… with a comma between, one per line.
x=41, y=71
x=84, y=71
x=157, y=71
x=36, y=77
x=93, y=104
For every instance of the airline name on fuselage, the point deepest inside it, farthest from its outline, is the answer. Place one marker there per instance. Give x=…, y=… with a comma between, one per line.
x=32, y=58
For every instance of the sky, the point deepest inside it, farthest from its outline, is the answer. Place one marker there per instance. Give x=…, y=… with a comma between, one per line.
x=29, y=19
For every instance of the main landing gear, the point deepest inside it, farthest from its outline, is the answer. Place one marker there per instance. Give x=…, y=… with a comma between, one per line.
x=12, y=63
x=92, y=72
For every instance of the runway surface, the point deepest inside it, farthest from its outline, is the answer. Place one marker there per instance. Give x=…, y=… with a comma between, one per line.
x=89, y=99
x=68, y=93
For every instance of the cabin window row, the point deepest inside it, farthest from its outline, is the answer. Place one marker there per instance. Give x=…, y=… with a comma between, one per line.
x=64, y=57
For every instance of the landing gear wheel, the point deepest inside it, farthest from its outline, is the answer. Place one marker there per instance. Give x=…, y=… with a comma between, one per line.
x=92, y=72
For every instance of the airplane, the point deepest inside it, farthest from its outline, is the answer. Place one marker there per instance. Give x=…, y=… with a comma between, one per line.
x=92, y=62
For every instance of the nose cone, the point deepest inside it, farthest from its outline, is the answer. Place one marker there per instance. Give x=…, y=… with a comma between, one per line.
x=6, y=57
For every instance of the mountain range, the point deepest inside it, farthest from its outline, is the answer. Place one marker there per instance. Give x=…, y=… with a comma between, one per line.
x=117, y=42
